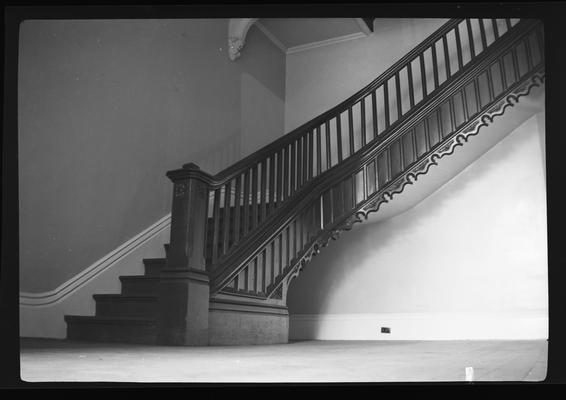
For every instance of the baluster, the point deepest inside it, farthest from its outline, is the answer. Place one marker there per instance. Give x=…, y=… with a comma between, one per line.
x=328, y=149
x=215, y=223
x=470, y=38
x=227, y=196
x=259, y=275
x=374, y=113
x=465, y=104
x=263, y=189
x=320, y=215
x=453, y=123
x=309, y=157
x=318, y=151
x=251, y=276
x=411, y=89
x=237, y=209
x=337, y=201
x=272, y=261
x=246, y=203
x=272, y=194
x=300, y=168
x=280, y=186
x=309, y=224
x=339, y=137
x=446, y=56
x=434, y=65
x=386, y=103
x=482, y=34
x=423, y=75
x=516, y=70
x=364, y=184
x=295, y=237
x=293, y=164
x=282, y=249
x=502, y=74
x=287, y=231
x=428, y=145
x=285, y=153
x=388, y=163
x=305, y=230
x=413, y=133
x=280, y=255
x=490, y=85
x=302, y=220
x=495, y=28
x=254, y=195
x=458, y=47
x=363, y=122
x=351, y=130
x=475, y=102
x=398, y=96
x=508, y=23
x=528, y=54
x=266, y=270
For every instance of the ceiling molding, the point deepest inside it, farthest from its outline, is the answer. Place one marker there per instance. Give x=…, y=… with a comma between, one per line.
x=271, y=36
x=237, y=31
x=365, y=25
x=313, y=45
x=239, y=27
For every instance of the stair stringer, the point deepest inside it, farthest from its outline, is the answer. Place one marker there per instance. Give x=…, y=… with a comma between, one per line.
x=396, y=187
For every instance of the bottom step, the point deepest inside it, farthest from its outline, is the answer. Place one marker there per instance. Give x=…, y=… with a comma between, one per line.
x=109, y=329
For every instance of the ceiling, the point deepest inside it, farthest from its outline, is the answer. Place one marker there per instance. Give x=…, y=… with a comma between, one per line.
x=289, y=33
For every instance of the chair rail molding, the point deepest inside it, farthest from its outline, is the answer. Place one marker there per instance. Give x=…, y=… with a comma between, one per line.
x=237, y=31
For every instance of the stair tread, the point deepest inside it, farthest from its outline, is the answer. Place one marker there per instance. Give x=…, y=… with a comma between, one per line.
x=154, y=260
x=119, y=296
x=98, y=319
x=139, y=277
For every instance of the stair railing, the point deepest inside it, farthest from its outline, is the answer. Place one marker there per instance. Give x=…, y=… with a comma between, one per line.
x=267, y=212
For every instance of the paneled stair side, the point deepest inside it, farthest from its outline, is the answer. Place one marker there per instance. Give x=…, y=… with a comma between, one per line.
x=128, y=317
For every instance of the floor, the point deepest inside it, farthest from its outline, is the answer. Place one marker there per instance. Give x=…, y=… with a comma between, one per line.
x=44, y=360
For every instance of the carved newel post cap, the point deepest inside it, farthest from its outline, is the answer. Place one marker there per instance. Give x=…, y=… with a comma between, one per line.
x=191, y=166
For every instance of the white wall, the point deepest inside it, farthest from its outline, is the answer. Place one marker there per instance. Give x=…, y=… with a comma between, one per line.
x=318, y=79
x=468, y=262
x=107, y=107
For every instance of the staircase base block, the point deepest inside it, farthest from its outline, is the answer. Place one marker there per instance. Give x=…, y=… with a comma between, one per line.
x=241, y=323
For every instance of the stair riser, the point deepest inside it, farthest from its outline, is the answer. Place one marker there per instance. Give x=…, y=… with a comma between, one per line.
x=101, y=332
x=153, y=270
x=125, y=308
x=140, y=287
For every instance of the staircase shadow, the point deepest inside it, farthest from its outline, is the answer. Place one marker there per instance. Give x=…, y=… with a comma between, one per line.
x=332, y=270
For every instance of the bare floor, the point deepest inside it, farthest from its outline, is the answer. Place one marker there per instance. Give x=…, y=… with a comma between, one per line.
x=45, y=360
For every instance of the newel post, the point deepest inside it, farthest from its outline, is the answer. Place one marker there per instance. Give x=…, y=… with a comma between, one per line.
x=184, y=283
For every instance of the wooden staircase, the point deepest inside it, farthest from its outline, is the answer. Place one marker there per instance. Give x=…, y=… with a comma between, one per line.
x=239, y=237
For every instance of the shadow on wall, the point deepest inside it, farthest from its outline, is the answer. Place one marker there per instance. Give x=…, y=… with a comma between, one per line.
x=406, y=285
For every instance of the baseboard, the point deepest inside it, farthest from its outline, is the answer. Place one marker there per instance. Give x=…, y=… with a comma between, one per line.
x=42, y=314
x=420, y=326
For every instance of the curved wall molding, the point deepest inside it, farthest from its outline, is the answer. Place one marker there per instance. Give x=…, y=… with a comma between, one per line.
x=108, y=261
x=237, y=31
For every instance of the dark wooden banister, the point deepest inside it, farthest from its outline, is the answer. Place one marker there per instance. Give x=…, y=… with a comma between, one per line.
x=300, y=206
